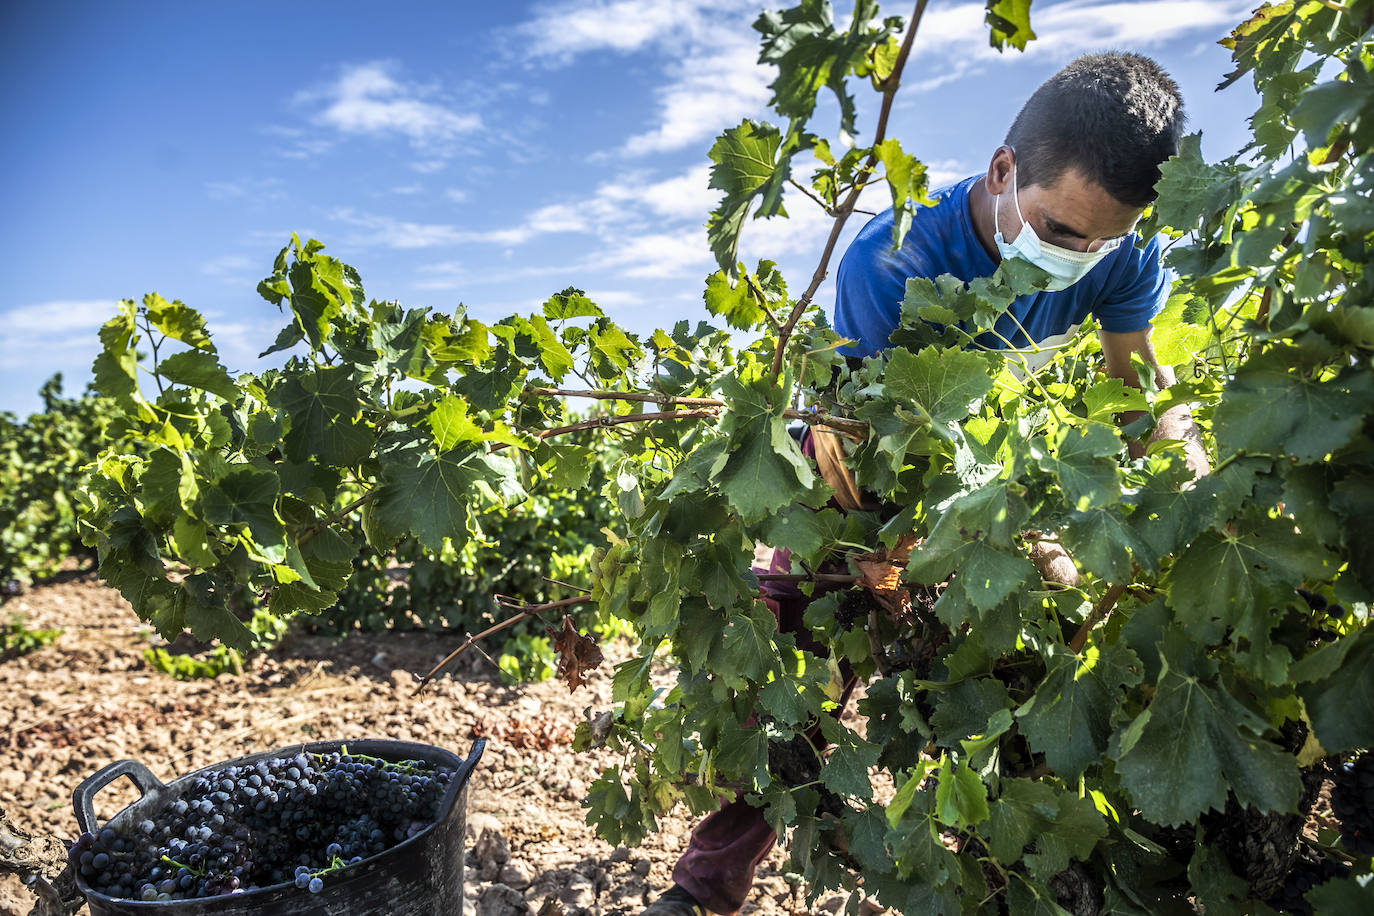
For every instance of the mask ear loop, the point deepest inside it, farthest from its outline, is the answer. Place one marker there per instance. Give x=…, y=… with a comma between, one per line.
x=1015, y=199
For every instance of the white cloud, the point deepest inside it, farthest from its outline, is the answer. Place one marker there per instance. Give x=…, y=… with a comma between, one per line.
x=456, y=195
x=709, y=90
x=944, y=172
x=444, y=275
x=259, y=190
x=298, y=143
x=707, y=45
x=369, y=100
x=52, y=336
x=952, y=41
x=564, y=30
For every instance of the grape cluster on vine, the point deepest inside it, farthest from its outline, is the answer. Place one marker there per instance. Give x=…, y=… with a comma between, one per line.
x=281, y=819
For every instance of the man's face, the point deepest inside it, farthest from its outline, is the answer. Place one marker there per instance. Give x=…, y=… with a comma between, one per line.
x=1073, y=213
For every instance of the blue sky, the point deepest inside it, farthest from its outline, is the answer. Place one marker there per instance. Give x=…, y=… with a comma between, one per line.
x=488, y=154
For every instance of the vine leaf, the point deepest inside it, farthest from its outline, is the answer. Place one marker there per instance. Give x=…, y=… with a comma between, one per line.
x=943, y=383
x=428, y=496
x=577, y=653
x=178, y=321
x=746, y=166
x=246, y=496
x=1340, y=700
x=1226, y=581
x=1270, y=407
x=1009, y=23
x=1190, y=187
x=1069, y=718
x=1181, y=755
x=1084, y=460
x=452, y=426
x=198, y=369
x=961, y=799
x=1059, y=825
x=323, y=406
x=763, y=469
x=810, y=53
x=906, y=179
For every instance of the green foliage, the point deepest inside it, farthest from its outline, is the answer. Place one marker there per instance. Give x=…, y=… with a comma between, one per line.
x=1028, y=724
x=527, y=658
x=552, y=534
x=40, y=470
x=266, y=628
x=18, y=639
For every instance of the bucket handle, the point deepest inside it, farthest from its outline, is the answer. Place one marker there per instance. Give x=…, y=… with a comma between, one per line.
x=467, y=766
x=83, y=795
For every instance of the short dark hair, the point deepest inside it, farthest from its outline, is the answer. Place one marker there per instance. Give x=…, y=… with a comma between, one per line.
x=1114, y=116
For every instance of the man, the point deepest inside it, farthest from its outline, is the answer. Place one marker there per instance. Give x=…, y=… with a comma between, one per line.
x=1064, y=191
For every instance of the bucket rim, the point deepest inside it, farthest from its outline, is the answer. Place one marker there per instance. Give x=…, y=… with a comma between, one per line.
x=384, y=748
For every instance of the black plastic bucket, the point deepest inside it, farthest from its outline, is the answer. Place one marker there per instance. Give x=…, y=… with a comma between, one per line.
x=421, y=876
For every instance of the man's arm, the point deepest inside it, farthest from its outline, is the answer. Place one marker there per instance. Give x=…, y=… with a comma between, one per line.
x=1174, y=423
x=1117, y=350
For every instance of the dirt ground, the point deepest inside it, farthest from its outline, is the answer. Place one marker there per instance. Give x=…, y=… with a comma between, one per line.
x=90, y=699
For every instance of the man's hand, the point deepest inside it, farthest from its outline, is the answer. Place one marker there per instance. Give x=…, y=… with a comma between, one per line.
x=1174, y=423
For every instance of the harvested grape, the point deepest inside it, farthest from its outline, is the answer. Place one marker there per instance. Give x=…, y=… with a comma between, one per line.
x=281, y=820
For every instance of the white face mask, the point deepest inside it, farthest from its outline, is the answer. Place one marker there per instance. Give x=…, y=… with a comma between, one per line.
x=1064, y=265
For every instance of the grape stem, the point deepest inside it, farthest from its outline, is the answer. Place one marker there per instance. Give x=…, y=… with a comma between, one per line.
x=842, y=212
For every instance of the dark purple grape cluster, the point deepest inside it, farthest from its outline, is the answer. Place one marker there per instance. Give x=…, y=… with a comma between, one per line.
x=1301, y=878
x=1331, y=612
x=1352, y=801
x=277, y=821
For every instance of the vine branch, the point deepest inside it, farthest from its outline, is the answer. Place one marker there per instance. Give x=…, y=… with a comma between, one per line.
x=890, y=85
x=1099, y=613
x=528, y=611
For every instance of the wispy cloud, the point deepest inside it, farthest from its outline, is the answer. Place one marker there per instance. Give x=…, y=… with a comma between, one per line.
x=234, y=268
x=709, y=53
x=259, y=190
x=952, y=41
x=367, y=99
x=52, y=336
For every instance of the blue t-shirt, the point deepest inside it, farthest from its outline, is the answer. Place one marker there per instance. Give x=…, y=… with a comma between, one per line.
x=1124, y=291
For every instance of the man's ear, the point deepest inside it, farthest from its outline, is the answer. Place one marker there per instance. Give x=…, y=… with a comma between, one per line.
x=998, y=179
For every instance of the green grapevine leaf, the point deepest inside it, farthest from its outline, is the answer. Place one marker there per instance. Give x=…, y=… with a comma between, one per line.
x=1069, y=719
x=906, y=178
x=943, y=384
x=246, y=496
x=1341, y=702
x=324, y=406
x=746, y=166
x=810, y=53
x=1058, y=825
x=178, y=321
x=429, y=496
x=1273, y=407
x=1224, y=581
x=961, y=799
x=1181, y=755
x=199, y=369
x=1008, y=23
x=1084, y=460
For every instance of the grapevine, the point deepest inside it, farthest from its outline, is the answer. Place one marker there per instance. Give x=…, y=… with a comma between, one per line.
x=1046, y=737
